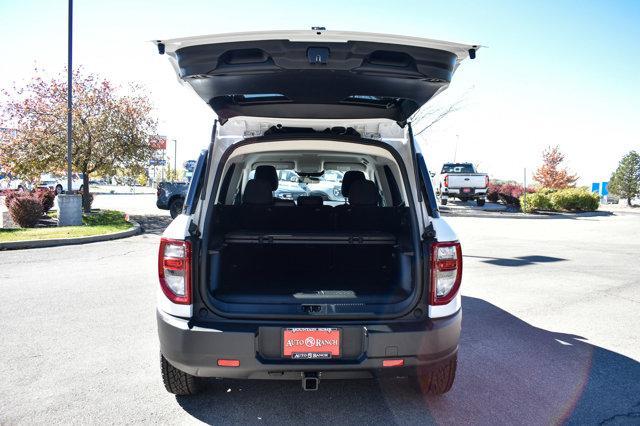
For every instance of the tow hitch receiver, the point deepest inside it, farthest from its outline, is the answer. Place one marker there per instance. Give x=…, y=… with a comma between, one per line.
x=310, y=381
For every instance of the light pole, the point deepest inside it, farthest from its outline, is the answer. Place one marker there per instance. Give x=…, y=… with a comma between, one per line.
x=175, y=157
x=69, y=204
x=455, y=152
x=69, y=96
x=524, y=196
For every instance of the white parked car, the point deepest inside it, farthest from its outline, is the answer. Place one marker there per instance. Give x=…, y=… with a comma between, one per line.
x=59, y=183
x=252, y=287
x=15, y=184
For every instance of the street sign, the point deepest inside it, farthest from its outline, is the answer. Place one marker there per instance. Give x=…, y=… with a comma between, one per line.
x=158, y=142
x=157, y=162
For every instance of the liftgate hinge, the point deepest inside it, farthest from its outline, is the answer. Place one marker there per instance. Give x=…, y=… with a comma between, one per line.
x=429, y=233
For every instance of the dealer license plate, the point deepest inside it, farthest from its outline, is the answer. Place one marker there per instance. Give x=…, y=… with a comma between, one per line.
x=311, y=343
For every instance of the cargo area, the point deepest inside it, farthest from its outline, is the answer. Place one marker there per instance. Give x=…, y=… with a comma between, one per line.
x=293, y=255
x=273, y=251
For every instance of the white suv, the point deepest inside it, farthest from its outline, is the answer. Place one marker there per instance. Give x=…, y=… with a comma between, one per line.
x=256, y=287
x=59, y=183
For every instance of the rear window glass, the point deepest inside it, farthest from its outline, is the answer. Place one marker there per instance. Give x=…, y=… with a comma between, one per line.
x=291, y=185
x=457, y=168
x=328, y=185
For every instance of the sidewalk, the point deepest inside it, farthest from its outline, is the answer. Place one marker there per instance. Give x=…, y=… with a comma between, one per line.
x=619, y=209
x=121, y=189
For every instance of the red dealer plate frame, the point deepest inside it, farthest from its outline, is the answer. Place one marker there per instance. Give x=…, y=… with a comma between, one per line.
x=312, y=343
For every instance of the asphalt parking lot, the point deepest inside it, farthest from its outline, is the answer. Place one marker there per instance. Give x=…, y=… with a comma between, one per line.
x=550, y=334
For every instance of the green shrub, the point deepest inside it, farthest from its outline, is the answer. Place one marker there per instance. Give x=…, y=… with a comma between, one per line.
x=26, y=211
x=575, y=199
x=105, y=217
x=547, y=191
x=536, y=202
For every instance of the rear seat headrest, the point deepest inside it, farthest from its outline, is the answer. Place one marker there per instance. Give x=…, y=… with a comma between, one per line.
x=364, y=193
x=309, y=200
x=348, y=179
x=267, y=174
x=257, y=192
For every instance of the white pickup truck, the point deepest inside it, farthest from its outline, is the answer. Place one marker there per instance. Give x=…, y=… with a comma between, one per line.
x=460, y=180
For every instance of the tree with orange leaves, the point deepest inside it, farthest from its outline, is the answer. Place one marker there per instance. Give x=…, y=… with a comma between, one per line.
x=111, y=128
x=550, y=174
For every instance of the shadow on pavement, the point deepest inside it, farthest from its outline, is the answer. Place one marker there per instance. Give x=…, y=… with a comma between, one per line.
x=152, y=224
x=518, y=261
x=509, y=373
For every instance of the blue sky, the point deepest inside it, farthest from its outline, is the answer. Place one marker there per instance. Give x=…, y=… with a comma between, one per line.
x=558, y=72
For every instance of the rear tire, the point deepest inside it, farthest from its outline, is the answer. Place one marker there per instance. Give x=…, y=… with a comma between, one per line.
x=175, y=207
x=438, y=380
x=443, y=202
x=177, y=381
x=480, y=202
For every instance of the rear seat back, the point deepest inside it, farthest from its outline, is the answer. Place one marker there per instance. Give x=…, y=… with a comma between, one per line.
x=349, y=219
x=309, y=200
x=305, y=218
x=371, y=219
x=259, y=213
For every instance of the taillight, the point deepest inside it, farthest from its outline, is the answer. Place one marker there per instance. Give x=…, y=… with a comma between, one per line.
x=446, y=181
x=446, y=271
x=486, y=181
x=174, y=270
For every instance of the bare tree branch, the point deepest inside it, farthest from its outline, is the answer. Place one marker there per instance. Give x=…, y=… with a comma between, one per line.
x=436, y=111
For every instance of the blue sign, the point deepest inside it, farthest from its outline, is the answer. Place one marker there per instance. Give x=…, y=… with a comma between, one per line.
x=602, y=189
x=157, y=162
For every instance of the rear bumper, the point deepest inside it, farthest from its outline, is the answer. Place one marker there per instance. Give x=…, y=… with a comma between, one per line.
x=196, y=350
x=455, y=192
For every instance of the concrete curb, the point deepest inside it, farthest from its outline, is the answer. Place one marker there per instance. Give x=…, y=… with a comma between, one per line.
x=17, y=245
x=519, y=215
